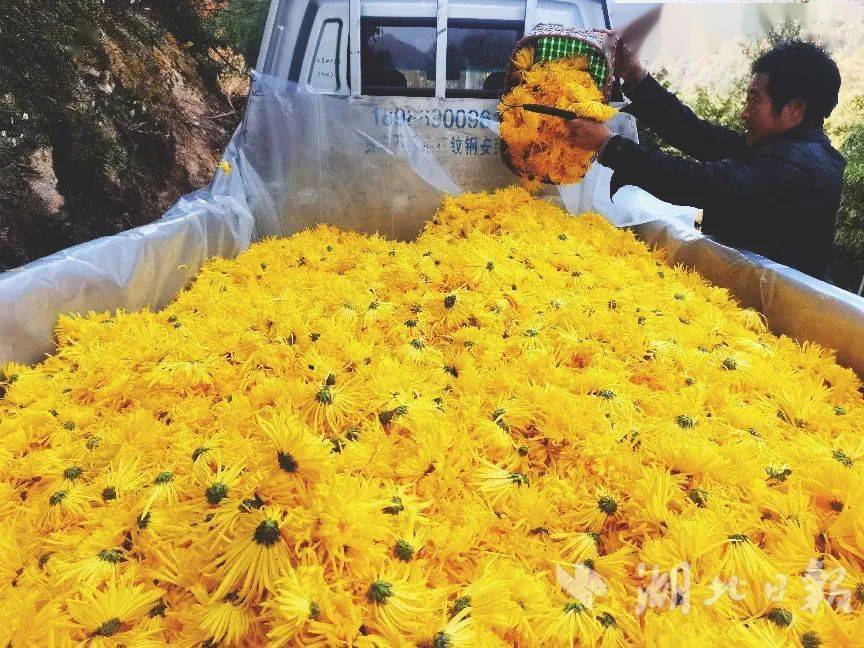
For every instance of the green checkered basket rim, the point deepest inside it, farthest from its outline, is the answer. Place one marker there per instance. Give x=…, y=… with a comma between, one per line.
x=550, y=48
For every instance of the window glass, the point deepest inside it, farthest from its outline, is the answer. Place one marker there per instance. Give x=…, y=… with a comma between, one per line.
x=477, y=53
x=324, y=73
x=397, y=56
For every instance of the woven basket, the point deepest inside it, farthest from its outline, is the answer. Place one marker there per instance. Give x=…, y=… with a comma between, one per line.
x=556, y=41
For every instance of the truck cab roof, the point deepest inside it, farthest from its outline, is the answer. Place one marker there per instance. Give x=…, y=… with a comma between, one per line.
x=413, y=48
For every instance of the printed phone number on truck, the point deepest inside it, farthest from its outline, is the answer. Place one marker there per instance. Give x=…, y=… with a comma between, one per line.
x=433, y=118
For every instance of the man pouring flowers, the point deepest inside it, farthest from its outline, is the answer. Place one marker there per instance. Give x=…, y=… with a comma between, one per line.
x=773, y=189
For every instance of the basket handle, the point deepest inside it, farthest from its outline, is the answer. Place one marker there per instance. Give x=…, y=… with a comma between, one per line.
x=549, y=110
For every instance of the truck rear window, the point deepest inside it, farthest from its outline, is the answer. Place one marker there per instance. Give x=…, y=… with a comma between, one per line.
x=397, y=56
x=477, y=51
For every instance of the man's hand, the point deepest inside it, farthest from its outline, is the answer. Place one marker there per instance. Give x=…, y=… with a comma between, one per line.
x=628, y=67
x=588, y=134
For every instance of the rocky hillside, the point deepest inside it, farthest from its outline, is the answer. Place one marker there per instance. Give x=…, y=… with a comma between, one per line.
x=109, y=110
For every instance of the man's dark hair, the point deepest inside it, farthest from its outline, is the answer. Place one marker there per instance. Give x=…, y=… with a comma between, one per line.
x=800, y=70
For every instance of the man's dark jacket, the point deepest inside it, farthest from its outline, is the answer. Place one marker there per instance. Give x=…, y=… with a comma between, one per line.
x=778, y=198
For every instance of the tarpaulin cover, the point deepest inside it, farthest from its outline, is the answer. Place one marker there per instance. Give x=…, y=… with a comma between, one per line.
x=372, y=164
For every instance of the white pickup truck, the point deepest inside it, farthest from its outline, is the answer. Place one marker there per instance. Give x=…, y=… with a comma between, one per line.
x=415, y=80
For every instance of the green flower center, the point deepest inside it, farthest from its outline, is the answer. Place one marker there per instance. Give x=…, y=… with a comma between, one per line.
x=73, y=473
x=778, y=475
x=110, y=556
x=780, y=616
x=684, y=421
x=108, y=628
x=403, y=551
x=442, y=640
x=57, y=497
x=498, y=417
x=607, y=505
x=251, y=503
x=843, y=458
x=387, y=416
x=698, y=496
x=460, y=604
x=574, y=606
x=395, y=506
x=267, y=533
x=520, y=479
x=379, y=592
x=287, y=462
x=607, y=620
x=216, y=492
x=165, y=477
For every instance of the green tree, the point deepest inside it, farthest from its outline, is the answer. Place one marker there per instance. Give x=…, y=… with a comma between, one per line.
x=241, y=25
x=848, y=266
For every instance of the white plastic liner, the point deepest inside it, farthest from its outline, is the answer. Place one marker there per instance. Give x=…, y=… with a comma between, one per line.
x=795, y=304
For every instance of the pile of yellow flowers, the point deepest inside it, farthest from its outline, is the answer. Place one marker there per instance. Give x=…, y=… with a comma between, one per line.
x=520, y=429
x=539, y=145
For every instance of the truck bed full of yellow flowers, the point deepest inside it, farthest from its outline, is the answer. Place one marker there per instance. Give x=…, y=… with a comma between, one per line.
x=520, y=429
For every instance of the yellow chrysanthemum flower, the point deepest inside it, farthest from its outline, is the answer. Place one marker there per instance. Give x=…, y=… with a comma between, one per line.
x=255, y=558
x=524, y=58
x=114, y=611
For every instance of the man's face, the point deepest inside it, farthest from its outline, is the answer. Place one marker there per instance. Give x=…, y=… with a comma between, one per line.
x=760, y=120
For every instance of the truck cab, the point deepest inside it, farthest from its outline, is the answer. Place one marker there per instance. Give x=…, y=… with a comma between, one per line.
x=416, y=48
x=405, y=97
